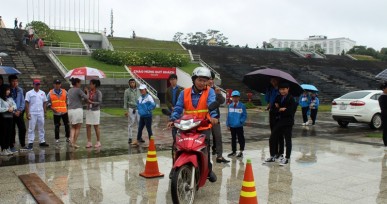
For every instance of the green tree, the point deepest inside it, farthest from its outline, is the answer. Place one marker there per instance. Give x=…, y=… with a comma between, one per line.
x=178, y=37
x=43, y=31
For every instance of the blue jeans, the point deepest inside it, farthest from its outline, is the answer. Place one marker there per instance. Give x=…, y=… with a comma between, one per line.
x=144, y=122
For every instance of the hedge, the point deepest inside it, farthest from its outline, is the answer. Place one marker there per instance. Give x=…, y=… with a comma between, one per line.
x=140, y=58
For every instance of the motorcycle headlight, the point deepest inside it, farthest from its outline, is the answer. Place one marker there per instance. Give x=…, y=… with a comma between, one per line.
x=187, y=124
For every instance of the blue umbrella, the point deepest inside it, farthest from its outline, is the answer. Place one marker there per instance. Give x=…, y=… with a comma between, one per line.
x=309, y=87
x=8, y=70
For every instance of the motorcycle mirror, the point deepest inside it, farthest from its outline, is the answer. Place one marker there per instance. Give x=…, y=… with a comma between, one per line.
x=213, y=106
x=166, y=112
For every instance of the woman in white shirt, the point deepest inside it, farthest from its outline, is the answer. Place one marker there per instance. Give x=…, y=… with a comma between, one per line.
x=7, y=106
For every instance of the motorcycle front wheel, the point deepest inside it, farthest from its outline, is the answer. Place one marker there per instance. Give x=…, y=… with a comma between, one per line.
x=181, y=190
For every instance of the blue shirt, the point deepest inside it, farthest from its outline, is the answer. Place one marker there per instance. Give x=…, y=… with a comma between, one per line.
x=179, y=107
x=270, y=96
x=18, y=97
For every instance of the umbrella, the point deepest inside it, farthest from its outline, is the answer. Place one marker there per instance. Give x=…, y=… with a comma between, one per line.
x=8, y=70
x=3, y=54
x=85, y=73
x=309, y=87
x=382, y=75
x=259, y=80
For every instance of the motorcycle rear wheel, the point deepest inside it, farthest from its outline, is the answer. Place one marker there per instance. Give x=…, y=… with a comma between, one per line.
x=180, y=185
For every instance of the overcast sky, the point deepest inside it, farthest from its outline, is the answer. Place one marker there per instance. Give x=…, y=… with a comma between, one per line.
x=243, y=22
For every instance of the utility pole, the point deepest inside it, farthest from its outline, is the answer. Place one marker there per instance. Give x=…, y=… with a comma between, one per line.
x=111, y=23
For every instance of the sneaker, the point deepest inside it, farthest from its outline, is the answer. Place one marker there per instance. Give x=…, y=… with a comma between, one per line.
x=67, y=139
x=97, y=145
x=221, y=159
x=23, y=149
x=57, y=141
x=135, y=143
x=307, y=123
x=43, y=144
x=279, y=158
x=240, y=155
x=303, y=124
x=130, y=141
x=270, y=159
x=89, y=145
x=30, y=146
x=284, y=162
x=3, y=153
x=212, y=177
x=232, y=154
x=12, y=149
x=142, y=141
x=9, y=151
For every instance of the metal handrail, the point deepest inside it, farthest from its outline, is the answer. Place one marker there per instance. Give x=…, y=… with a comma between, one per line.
x=217, y=75
x=115, y=75
x=63, y=44
x=57, y=61
x=69, y=51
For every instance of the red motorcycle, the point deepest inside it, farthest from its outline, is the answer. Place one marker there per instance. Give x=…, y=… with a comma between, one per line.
x=190, y=169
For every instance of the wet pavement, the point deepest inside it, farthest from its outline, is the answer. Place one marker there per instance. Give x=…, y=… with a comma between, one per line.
x=328, y=165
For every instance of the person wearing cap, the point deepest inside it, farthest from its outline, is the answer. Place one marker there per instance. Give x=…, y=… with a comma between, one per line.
x=17, y=94
x=36, y=102
x=145, y=104
x=195, y=101
x=217, y=144
x=130, y=104
x=57, y=102
x=383, y=107
x=236, y=119
x=285, y=108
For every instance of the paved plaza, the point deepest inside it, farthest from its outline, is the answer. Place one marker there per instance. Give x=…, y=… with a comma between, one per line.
x=328, y=165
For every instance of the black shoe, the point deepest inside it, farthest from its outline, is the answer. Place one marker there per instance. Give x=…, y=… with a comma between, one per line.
x=221, y=159
x=213, y=152
x=240, y=155
x=212, y=177
x=232, y=154
x=67, y=140
x=142, y=141
x=130, y=141
x=43, y=144
x=270, y=159
x=171, y=173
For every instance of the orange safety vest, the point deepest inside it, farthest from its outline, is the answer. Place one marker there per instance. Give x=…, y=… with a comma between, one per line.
x=201, y=110
x=59, y=103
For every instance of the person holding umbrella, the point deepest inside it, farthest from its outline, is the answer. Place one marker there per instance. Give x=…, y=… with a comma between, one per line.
x=304, y=102
x=74, y=100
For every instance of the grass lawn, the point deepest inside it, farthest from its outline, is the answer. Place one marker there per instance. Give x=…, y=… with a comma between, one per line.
x=364, y=57
x=68, y=36
x=145, y=45
x=375, y=135
x=189, y=67
x=121, y=111
x=79, y=61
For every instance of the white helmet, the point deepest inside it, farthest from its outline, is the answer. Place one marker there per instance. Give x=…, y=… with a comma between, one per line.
x=201, y=72
x=142, y=86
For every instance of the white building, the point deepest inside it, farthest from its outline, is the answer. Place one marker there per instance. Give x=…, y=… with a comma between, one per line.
x=333, y=46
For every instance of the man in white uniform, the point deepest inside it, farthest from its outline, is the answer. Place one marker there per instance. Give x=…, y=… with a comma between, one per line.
x=36, y=111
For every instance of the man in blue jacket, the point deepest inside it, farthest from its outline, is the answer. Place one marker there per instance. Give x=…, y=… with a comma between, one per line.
x=18, y=114
x=235, y=121
x=304, y=102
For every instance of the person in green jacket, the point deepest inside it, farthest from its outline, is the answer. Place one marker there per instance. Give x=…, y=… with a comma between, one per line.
x=130, y=104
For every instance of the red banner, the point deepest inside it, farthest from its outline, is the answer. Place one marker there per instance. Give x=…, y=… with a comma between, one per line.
x=153, y=72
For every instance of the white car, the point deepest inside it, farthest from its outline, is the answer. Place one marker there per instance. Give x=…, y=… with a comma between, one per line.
x=358, y=107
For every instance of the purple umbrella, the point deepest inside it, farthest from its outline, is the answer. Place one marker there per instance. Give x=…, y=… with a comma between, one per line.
x=259, y=80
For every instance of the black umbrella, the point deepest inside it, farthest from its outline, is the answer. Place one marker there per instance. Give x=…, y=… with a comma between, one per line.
x=259, y=80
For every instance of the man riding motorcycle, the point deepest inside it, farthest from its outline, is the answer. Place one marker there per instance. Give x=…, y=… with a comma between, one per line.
x=195, y=101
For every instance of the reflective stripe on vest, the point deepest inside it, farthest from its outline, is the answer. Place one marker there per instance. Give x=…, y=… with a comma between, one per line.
x=59, y=103
x=201, y=110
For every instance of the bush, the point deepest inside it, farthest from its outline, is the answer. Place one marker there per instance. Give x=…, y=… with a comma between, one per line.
x=140, y=58
x=250, y=105
x=43, y=31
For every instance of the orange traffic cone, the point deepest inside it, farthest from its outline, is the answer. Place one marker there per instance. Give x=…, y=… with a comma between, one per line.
x=151, y=166
x=248, y=193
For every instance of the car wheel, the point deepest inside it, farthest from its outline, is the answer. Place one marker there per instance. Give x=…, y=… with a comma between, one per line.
x=343, y=124
x=376, y=121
